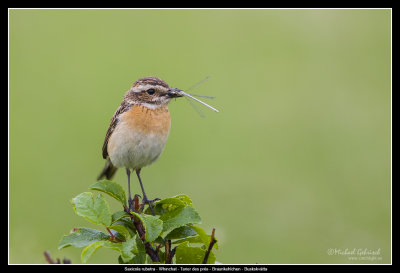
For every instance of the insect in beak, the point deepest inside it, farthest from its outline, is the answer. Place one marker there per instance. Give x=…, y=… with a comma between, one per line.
x=174, y=93
x=199, y=101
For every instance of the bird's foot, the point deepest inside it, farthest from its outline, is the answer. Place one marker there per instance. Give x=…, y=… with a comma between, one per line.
x=148, y=202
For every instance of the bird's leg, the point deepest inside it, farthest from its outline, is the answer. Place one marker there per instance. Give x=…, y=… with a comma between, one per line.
x=128, y=173
x=144, y=200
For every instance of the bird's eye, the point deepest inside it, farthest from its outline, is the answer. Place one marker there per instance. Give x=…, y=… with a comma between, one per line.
x=151, y=91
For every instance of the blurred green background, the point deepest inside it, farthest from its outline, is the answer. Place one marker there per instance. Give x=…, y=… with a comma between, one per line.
x=297, y=162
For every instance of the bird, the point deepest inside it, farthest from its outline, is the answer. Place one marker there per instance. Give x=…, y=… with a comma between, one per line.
x=138, y=131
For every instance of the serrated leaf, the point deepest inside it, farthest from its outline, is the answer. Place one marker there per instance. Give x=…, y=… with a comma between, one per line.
x=186, y=254
x=180, y=217
x=152, y=225
x=81, y=237
x=127, y=249
x=93, y=209
x=111, y=188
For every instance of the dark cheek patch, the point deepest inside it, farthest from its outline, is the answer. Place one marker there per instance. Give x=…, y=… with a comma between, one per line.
x=144, y=97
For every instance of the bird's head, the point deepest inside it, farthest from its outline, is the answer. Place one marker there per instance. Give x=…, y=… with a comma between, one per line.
x=152, y=92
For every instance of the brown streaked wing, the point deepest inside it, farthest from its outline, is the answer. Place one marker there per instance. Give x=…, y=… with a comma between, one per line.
x=114, y=121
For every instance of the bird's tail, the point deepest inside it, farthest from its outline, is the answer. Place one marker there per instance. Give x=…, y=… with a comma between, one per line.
x=108, y=170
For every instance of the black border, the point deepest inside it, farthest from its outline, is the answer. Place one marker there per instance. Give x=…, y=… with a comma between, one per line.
x=202, y=268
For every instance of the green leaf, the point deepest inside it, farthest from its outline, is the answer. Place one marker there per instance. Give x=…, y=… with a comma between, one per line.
x=140, y=257
x=181, y=232
x=192, y=234
x=185, y=199
x=159, y=240
x=166, y=205
x=121, y=229
x=95, y=210
x=193, y=240
x=111, y=188
x=118, y=216
x=81, y=237
x=88, y=251
x=170, y=204
x=180, y=217
x=211, y=258
x=186, y=254
x=152, y=225
x=127, y=249
x=204, y=237
x=172, y=201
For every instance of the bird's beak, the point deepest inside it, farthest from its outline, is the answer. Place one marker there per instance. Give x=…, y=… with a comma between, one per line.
x=174, y=93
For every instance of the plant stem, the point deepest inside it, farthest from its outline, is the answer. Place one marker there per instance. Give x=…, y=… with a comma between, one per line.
x=210, y=246
x=51, y=261
x=141, y=231
x=169, y=254
x=113, y=238
x=48, y=258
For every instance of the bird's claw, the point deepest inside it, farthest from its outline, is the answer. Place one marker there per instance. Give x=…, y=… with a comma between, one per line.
x=148, y=202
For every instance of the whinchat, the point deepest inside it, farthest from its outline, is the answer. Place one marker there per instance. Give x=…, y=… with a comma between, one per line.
x=139, y=129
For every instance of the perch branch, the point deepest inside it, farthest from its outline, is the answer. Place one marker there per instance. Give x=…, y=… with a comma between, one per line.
x=141, y=231
x=210, y=246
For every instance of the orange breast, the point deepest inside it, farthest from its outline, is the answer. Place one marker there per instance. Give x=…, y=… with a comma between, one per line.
x=147, y=120
x=139, y=137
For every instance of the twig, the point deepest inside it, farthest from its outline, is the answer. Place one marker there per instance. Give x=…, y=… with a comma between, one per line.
x=172, y=254
x=168, y=256
x=48, y=258
x=113, y=238
x=210, y=246
x=141, y=231
x=112, y=235
x=167, y=251
x=51, y=261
